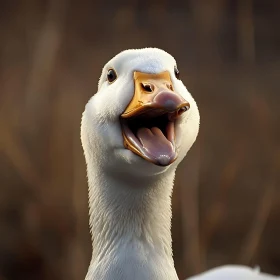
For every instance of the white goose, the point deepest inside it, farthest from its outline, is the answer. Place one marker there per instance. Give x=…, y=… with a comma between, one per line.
x=135, y=131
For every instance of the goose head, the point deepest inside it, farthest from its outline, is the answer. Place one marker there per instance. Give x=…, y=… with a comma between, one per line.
x=142, y=120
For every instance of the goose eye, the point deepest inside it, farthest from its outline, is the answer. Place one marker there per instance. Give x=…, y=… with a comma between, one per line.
x=176, y=72
x=111, y=75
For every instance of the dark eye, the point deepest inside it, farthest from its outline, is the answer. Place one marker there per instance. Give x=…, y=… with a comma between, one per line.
x=111, y=75
x=176, y=72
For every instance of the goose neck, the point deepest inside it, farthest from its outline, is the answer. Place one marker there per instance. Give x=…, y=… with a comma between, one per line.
x=130, y=221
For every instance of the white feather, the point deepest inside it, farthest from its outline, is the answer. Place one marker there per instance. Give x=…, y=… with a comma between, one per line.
x=130, y=198
x=233, y=272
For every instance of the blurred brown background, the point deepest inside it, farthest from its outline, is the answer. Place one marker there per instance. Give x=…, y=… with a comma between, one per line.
x=227, y=196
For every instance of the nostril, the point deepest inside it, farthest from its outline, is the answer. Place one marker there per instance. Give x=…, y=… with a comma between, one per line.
x=169, y=86
x=148, y=87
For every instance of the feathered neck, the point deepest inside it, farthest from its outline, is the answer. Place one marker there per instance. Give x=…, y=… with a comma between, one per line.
x=130, y=221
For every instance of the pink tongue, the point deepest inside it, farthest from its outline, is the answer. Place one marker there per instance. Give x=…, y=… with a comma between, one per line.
x=156, y=145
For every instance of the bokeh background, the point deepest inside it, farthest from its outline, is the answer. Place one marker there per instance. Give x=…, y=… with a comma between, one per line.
x=226, y=202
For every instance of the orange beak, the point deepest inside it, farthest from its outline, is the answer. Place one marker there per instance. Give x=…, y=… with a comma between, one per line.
x=149, y=119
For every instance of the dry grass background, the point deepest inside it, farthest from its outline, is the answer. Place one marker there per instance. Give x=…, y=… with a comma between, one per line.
x=227, y=195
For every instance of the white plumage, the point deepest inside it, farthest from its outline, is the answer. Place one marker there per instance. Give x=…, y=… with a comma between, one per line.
x=234, y=272
x=130, y=197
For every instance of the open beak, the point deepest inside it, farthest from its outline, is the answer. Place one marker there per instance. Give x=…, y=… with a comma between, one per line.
x=148, y=122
